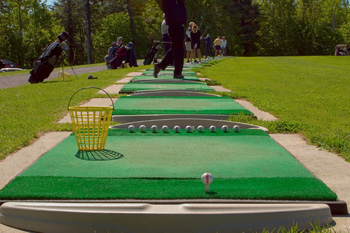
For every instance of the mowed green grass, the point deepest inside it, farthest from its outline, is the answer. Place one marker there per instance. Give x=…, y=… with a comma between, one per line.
x=31, y=109
x=308, y=94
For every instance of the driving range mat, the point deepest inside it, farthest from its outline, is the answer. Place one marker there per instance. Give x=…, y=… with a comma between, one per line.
x=136, y=86
x=164, y=78
x=169, y=72
x=215, y=105
x=245, y=165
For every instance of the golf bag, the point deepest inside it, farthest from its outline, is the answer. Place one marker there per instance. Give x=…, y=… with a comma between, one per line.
x=45, y=64
x=152, y=53
x=119, y=58
x=131, y=58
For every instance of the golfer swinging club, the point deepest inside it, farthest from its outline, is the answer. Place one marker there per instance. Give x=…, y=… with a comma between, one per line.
x=175, y=16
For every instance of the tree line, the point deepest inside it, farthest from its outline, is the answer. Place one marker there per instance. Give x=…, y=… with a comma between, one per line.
x=252, y=27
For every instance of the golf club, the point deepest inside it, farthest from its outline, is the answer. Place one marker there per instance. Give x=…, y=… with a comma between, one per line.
x=201, y=23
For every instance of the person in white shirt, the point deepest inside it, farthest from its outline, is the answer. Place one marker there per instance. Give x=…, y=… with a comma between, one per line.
x=223, y=46
x=188, y=41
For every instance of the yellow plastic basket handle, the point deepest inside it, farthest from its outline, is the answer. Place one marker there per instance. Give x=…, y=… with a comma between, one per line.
x=89, y=88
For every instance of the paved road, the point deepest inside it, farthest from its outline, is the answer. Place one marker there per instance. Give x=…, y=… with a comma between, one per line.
x=17, y=80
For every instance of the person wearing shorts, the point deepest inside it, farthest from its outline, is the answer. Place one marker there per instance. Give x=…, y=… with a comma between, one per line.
x=217, y=46
x=196, y=43
x=188, y=42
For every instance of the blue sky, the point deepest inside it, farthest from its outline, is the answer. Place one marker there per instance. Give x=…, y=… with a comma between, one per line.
x=49, y=2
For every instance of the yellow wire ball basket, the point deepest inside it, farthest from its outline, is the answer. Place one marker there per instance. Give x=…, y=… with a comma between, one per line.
x=90, y=124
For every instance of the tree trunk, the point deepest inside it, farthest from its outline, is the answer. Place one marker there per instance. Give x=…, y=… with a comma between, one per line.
x=88, y=30
x=19, y=61
x=71, y=40
x=131, y=15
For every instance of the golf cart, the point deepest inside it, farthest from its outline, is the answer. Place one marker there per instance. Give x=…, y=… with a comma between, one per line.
x=342, y=50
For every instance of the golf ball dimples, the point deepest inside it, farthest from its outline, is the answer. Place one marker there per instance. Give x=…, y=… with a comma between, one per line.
x=224, y=128
x=200, y=129
x=131, y=129
x=207, y=178
x=189, y=129
x=236, y=128
x=177, y=129
x=212, y=129
x=154, y=128
x=142, y=128
x=165, y=129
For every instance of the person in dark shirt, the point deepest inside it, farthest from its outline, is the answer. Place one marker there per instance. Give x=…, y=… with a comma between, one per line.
x=208, y=44
x=175, y=17
x=196, y=43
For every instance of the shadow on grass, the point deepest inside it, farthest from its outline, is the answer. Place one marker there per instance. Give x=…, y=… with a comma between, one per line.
x=102, y=155
x=210, y=193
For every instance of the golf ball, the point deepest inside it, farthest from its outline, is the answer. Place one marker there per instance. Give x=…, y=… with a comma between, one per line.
x=212, y=129
x=142, y=128
x=207, y=178
x=154, y=128
x=177, y=129
x=236, y=128
x=225, y=128
x=189, y=129
x=131, y=129
x=200, y=129
x=165, y=129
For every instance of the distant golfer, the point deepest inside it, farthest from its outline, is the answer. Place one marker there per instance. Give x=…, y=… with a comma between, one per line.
x=175, y=17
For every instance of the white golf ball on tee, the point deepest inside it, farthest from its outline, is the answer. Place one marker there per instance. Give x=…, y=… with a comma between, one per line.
x=207, y=179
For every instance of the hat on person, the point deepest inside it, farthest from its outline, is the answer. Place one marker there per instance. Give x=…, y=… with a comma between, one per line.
x=63, y=36
x=191, y=24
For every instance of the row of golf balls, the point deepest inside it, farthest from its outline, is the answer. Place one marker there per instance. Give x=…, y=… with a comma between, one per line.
x=189, y=129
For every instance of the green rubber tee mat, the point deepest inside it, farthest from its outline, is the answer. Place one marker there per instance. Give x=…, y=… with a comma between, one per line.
x=245, y=165
x=213, y=105
x=169, y=72
x=167, y=77
x=131, y=87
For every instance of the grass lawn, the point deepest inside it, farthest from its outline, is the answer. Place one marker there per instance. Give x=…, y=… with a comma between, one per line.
x=30, y=109
x=309, y=95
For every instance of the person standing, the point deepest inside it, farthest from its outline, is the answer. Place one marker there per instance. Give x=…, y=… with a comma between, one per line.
x=196, y=43
x=223, y=46
x=165, y=36
x=217, y=46
x=208, y=49
x=175, y=17
x=188, y=42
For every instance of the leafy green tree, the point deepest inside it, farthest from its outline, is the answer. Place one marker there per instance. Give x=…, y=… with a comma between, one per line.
x=26, y=27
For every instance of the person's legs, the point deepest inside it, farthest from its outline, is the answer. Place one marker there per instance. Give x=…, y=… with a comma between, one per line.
x=193, y=55
x=199, y=54
x=206, y=51
x=211, y=52
x=168, y=58
x=188, y=50
x=177, y=36
x=166, y=43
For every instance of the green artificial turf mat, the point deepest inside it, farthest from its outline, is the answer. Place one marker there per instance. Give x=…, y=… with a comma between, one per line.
x=112, y=188
x=131, y=87
x=169, y=72
x=168, y=77
x=230, y=155
x=215, y=105
x=245, y=165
